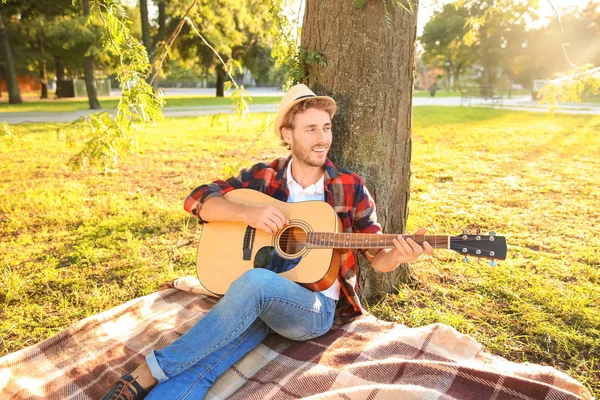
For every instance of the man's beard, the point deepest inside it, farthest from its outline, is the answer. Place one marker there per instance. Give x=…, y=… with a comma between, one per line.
x=304, y=156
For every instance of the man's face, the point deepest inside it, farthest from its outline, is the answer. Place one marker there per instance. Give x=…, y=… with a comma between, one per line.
x=311, y=138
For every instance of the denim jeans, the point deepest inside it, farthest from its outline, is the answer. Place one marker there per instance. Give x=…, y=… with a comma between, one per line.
x=256, y=302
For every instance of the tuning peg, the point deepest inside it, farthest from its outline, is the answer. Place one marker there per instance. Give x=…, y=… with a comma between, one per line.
x=478, y=260
x=492, y=233
x=466, y=259
x=478, y=231
x=493, y=263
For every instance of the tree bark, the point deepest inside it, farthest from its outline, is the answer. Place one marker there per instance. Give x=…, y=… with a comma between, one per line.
x=485, y=59
x=43, y=71
x=147, y=41
x=370, y=73
x=10, y=72
x=220, y=80
x=88, y=69
x=162, y=22
x=59, y=66
x=146, y=32
x=457, y=71
x=145, y=26
x=161, y=36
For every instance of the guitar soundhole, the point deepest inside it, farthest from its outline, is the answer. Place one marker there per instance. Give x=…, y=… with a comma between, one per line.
x=292, y=241
x=289, y=246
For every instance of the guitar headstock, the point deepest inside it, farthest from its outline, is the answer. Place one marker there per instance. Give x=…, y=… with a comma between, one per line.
x=483, y=246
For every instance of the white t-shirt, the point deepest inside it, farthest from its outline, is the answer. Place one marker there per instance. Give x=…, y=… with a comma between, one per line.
x=315, y=191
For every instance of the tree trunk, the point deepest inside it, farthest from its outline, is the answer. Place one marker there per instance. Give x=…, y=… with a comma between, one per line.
x=145, y=26
x=146, y=40
x=220, y=80
x=88, y=69
x=485, y=59
x=370, y=73
x=162, y=22
x=161, y=36
x=59, y=66
x=43, y=72
x=457, y=71
x=10, y=72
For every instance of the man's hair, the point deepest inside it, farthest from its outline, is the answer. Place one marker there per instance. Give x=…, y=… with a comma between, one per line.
x=301, y=107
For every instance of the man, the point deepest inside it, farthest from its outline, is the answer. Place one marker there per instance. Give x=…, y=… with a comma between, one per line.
x=261, y=300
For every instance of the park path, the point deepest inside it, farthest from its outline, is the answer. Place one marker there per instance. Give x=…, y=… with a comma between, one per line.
x=520, y=103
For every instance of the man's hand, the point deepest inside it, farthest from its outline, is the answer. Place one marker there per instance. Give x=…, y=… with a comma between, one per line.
x=405, y=251
x=266, y=218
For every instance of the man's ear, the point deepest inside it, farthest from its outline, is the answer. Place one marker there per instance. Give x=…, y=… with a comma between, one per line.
x=286, y=134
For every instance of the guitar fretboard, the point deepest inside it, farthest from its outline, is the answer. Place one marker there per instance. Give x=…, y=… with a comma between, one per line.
x=326, y=240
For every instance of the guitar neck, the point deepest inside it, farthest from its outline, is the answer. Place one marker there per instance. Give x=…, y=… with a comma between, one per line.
x=326, y=240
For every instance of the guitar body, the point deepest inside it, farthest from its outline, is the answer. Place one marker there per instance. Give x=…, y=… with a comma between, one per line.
x=229, y=249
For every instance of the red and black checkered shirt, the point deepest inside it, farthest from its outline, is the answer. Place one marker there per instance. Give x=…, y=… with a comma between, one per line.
x=345, y=191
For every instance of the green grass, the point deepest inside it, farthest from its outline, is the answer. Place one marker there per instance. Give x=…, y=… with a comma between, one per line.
x=77, y=243
x=67, y=105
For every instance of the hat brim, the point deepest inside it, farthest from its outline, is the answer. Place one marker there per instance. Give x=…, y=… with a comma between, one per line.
x=282, y=113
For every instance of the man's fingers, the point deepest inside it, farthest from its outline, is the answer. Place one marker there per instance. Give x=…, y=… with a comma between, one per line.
x=278, y=215
x=269, y=226
x=277, y=221
x=421, y=231
x=404, y=247
x=428, y=249
x=415, y=247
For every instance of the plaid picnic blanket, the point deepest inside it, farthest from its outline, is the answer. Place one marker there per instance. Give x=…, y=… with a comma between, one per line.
x=366, y=359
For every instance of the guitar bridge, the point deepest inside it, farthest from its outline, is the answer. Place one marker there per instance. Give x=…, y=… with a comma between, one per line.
x=248, y=243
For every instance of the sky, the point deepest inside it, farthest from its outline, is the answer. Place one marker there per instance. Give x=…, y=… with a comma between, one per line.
x=426, y=8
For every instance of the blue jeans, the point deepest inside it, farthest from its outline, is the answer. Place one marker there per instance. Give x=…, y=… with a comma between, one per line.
x=256, y=302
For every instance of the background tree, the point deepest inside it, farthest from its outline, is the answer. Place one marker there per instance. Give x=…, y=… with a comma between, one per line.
x=9, y=69
x=259, y=62
x=88, y=68
x=369, y=71
x=231, y=27
x=32, y=21
x=515, y=59
x=145, y=20
x=443, y=44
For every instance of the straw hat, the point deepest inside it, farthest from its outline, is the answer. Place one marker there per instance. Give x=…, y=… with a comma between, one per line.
x=295, y=95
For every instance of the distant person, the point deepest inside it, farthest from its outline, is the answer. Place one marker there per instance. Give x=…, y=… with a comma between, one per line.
x=433, y=88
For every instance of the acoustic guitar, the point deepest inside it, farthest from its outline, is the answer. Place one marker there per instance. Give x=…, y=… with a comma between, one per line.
x=308, y=249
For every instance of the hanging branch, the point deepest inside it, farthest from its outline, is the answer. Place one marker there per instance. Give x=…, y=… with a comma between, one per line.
x=562, y=34
x=171, y=40
x=238, y=96
x=571, y=86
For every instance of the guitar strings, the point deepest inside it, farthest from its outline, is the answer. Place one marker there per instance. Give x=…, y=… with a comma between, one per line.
x=300, y=237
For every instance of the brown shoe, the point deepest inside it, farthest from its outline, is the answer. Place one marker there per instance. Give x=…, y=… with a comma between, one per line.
x=125, y=388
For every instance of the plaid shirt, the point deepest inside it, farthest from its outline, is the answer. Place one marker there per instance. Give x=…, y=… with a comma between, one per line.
x=344, y=191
